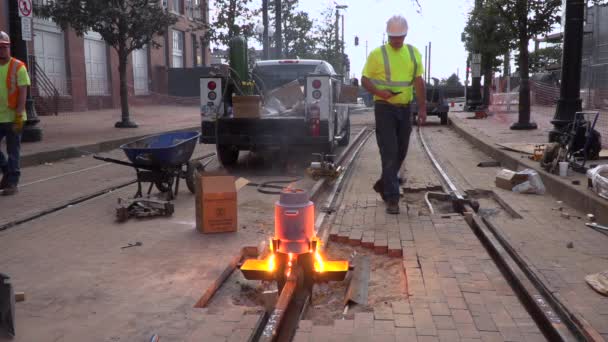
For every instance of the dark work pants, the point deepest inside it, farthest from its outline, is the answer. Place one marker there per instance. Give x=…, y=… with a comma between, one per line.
x=393, y=129
x=9, y=165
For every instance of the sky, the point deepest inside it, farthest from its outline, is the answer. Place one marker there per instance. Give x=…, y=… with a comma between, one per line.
x=440, y=22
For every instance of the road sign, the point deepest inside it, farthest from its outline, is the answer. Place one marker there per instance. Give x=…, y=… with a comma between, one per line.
x=26, y=28
x=25, y=8
x=476, y=58
x=476, y=70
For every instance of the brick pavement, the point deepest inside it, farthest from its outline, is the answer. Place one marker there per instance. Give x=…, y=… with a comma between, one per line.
x=455, y=291
x=541, y=236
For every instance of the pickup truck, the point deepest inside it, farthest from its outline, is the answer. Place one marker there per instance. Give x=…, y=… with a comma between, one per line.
x=322, y=123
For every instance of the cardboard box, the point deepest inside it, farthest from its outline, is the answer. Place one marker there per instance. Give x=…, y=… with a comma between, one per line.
x=216, y=203
x=507, y=179
x=246, y=106
x=348, y=94
x=289, y=94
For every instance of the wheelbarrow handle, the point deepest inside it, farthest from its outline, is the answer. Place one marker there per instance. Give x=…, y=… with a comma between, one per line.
x=115, y=161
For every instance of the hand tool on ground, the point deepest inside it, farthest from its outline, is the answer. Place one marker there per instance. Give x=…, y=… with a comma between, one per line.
x=142, y=207
x=136, y=244
x=324, y=167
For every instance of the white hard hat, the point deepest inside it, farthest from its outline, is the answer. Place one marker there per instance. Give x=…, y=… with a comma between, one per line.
x=4, y=38
x=396, y=26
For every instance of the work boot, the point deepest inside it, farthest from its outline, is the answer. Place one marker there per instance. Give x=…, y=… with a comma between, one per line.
x=392, y=207
x=4, y=181
x=379, y=188
x=10, y=190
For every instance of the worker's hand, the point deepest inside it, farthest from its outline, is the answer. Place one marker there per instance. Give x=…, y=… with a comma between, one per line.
x=421, y=116
x=384, y=94
x=18, y=124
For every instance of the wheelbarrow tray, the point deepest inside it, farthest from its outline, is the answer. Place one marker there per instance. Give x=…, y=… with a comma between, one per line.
x=162, y=150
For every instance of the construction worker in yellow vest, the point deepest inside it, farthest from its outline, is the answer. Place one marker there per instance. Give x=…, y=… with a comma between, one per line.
x=14, y=81
x=392, y=72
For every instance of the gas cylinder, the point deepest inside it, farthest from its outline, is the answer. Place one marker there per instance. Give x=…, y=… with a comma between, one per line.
x=294, y=222
x=239, y=59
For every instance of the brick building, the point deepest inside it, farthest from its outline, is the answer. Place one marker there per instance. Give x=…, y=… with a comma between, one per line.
x=83, y=71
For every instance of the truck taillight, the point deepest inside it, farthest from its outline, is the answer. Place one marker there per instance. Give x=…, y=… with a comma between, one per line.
x=211, y=85
x=316, y=94
x=316, y=84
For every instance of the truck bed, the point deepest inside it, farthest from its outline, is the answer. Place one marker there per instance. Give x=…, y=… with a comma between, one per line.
x=247, y=133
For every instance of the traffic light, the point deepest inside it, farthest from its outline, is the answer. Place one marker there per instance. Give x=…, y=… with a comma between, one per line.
x=356, y=41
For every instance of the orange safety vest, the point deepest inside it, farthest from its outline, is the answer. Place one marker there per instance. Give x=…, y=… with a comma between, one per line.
x=14, y=65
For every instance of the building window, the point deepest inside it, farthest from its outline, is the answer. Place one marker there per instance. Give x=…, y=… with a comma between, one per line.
x=178, y=49
x=95, y=58
x=176, y=6
x=163, y=3
x=197, y=9
x=189, y=9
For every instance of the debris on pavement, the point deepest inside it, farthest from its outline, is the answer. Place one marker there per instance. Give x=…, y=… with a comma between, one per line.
x=489, y=164
x=598, y=282
x=591, y=217
x=19, y=297
x=136, y=244
x=599, y=180
x=570, y=245
x=142, y=207
x=527, y=181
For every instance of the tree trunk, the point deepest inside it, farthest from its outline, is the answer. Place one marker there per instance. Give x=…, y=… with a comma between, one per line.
x=123, y=58
x=487, y=80
x=524, y=72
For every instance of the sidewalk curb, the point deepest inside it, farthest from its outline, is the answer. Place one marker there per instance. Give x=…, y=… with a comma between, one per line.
x=579, y=198
x=82, y=150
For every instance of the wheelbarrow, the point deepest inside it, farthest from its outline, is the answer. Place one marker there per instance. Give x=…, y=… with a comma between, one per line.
x=161, y=160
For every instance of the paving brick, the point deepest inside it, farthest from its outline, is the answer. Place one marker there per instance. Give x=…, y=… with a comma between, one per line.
x=424, y=322
x=367, y=242
x=456, y=303
x=394, y=249
x=322, y=333
x=380, y=246
x=343, y=236
x=383, y=313
x=333, y=234
x=343, y=326
x=440, y=309
x=401, y=307
x=491, y=336
x=305, y=326
x=355, y=237
x=239, y=335
x=384, y=327
x=248, y=322
x=462, y=316
x=232, y=315
x=427, y=339
x=448, y=335
x=467, y=330
x=364, y=319
x=404, y=321
x=301, y=337
x=485, y=323
x=444, y=322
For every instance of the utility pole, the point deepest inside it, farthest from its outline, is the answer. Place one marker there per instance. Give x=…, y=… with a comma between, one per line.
x=570, y=86
x=342, y=56
x=278, y=34
x=30, y=132
x=265, y=40
x=474, y=99
x=429, y=73
x=337, y=28
x=426, y=64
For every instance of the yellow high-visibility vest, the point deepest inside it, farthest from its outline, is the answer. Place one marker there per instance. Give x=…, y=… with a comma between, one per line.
x=395, y=70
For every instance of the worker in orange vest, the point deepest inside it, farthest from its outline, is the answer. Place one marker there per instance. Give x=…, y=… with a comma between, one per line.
x=14, y=81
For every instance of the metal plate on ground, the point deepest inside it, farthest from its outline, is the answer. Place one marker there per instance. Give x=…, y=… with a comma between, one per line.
x=357, y=291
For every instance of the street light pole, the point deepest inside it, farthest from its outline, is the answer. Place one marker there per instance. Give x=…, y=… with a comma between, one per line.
x=30, y=132
x=570, y=86
x=265, y=40
x=278, y=34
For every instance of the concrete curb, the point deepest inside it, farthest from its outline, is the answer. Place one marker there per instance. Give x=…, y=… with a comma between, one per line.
x=78, y=151
x=579, y=198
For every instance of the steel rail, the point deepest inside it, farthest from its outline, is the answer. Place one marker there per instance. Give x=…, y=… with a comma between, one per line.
x=281, y=324
x=555, y=321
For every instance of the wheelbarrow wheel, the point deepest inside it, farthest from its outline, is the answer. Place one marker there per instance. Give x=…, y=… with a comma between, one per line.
x=165, y=185
x=192, y=170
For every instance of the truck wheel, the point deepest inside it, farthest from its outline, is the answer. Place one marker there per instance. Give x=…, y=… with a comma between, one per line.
x=227, y=154
x=444, y=118
x=346, y=137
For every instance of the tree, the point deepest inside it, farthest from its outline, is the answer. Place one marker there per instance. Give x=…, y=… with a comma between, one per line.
x=234, y=17
x=328, y=48
x=545, y=57
x=488, y=33
x=125, y=25
x=296, y=28
x=528, y=18
x=452, y=81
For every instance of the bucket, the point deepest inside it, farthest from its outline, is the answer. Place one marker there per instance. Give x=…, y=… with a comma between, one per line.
x=563, y=169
